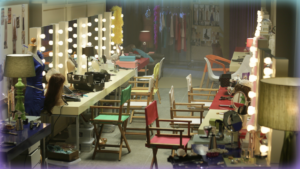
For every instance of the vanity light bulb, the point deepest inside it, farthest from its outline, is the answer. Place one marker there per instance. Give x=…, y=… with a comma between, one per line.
x=70, y=40
x=251, y=110
x=60, y=43
x=268, y=71
x=74, y=45
x=252, y=78
x=50, y=31
x=74, y=35
x=42, y=48
x=103, y=20
x=259, y=24
x=83, y=36
x=96, y=37
x=96, y=47
x=60, y=54
x=263, y=148
x=122, y=31
x=251, y=64
x=44, y=61
x=253, y=49
x=121, y=47
x=51, y=65
x=114, y=47
x=83, y=66
x=89, y=34
x=60, y=31
x=113, y=17
x=112, y=43
x=96, y=29
x=75, y=25
x=122, y=15
x=250, y=128
x=96, y=20
x=251, y=94
x=257, y=33
x=112, y=52
x=44, y=85
x=266, y=76
x=112, y=26
x=89, y=24
x=258, y=28
x=264, y=129
x=90, y=63
x=70, y=29
x=60, y=65
x=83, y=25
x=70, y=50
x=122, y=39
x=103, y=38
x=96, y=56
x=83, y=46
x=50, y=42
x=44, y=73
x=112, y=35
x=83, y=56
x=51, y=54
x=42, y=36
x=253, y=60
x=268, y=60
x=103, y=47
x=75, y=55
x=89, y=44
x=103, y=29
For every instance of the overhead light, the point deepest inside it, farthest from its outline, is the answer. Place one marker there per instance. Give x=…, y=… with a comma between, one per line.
x=96, y=47
x=112, y=52
x=42, y=36
x=83, y=66
x=263, y=148
x=112, y=26
x=75, y=55
x=83, y=56
x=89, y=44
x=268, y=60
x=250, y=128
x=83, y=35
x=43, y=60
x=113, y=17
x=252, y=78
x=251, y=94
x=264, y=129
x=122, y=15
x=268, y=71
x=83, y=46
x=251, y=110
x=112, y=35
x=96, y=56
x=83, y=25
x=90, y=63
x=44, y=73
x=112, y=43
x=103, y=47
x=114, y=47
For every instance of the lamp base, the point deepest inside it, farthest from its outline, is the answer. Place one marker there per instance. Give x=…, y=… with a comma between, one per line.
x=20, y=105
x=289, y=148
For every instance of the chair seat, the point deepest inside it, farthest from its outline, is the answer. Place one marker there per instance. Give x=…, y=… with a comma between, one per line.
x=143, y=91
x=146, y=79
x=206, y=104
x=169, y=140
x=141, y=104
x=105, y=117
x=194, y=120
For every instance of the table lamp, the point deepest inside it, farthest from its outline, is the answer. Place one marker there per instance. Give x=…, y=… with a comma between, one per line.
x=278, y=108
x=18, y=66
x=88, y=51
x=145, y=36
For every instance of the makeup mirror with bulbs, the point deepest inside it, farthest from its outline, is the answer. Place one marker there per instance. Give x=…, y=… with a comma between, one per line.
x=72, y=47
x=47, y=43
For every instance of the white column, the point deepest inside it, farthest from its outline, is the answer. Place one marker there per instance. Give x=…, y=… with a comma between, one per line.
x=63, y=48
x=107, y=34
x=81, y=42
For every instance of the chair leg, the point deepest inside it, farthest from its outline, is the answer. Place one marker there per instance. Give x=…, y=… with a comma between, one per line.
x=151, y=130
x=212, y=84
x=131, y=117
x=154, y=159
x=202, y=79
x=97, y=140
x=123, y=135
x=158, y=95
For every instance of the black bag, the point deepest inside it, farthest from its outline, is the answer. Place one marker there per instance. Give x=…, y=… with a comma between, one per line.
x=80, y=79
x=99, y=76
x=94, y=87
x=225, y=80
x=85, y=82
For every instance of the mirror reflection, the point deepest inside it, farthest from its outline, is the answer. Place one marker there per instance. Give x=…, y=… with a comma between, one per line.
x=72, y=48
x=47, y=45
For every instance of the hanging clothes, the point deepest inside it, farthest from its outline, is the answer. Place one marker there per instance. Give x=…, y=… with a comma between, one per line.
x=156, y=26
x=171, y=41
x=183, y=32
x=178, y=41
x=176, y=26
x=165, y=30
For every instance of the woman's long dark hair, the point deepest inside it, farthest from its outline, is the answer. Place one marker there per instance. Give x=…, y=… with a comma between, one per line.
x=54, y=92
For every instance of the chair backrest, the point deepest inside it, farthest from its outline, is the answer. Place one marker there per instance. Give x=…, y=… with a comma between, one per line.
x=172, y=97
x=189, y=82
x=151, y=83
x=160, y=67
x=156, y=71
x=151, y=113
x=215, y=58
x=125, y=95
x=244, y=68
x=210, y=72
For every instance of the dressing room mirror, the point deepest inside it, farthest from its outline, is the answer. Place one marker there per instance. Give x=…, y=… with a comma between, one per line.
x=239, y=100
x=93, y=30
x=72, y=47
x=47, y=45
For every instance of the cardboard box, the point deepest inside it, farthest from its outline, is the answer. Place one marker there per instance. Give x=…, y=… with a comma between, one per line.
x=63, y=157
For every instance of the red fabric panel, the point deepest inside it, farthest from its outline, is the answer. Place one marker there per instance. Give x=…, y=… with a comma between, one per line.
x=151, y=113
x=169, y=140
x=216, y=102
x=142, y=62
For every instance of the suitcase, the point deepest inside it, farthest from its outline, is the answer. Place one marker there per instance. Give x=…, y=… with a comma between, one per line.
x=98, y=76
x=225, y=80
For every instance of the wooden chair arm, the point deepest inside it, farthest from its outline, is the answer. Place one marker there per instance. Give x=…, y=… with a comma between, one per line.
x=139, y=88
x=140, y=94
x=172, y=120
x=200, y=94
x=165, y=129
x=133, y=82
x=184, y=110
x=189, y=104
x=105, y=107
x=204, y=89
x=109, y=101
x=142, y=77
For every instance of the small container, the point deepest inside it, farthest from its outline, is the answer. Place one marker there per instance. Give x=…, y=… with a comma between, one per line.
x=19, y=125
x=87, y=146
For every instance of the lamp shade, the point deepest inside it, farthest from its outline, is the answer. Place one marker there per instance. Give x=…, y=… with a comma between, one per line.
x=249, y=42
x=145, y=36
x=278, y=105
x=19, y=65
x=88, y=51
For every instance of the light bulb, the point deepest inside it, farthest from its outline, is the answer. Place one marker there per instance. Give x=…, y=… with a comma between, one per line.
x=258, y=28
x=114, y=47
x=75, y=25
x=43, y=60
x=96, y=29
x=70, y=29
x=60, y=31
x=259, y=24
x=70, y=40
x=103, y=20
x=50, y=42
x=264, y=129
x=96, y=47
x=121, y=47
x=96, y=37
x=257, y=33
x=83, y=66
x=103, y=47
x=83, y=56
x=112, y=52
x=90, y=63
x=89, y=44
x=83, y=36
x=74, y=45
x=252, y=94
x=83, y=25
x=96, y=56
x=122, y=31
x=122, y=39
x=103, y=29
x=75, y=55
x=50, y=31
x=252, y=78
x=42, y=48
x=51, y=54
x=89, y=34
x=253, y=60
x=60, y=54
x=251, y=64
x=50, y=65
x=253, y=49
x=250, y=128
x=103, y=38
x=60, y=65
x=266, y=76
x=89, y=24
x=113, y=17
x=70, y=50
x=42, y=36
x=112, y=35
x=268, y=60
x=44, y=73
x=251, y=110
x=112, y=26
x=112, y=43
x=74, y=35
x=60, y=43
x=122, y=15
x=96, y=19
x=268, y=71
x=83, y=46
x=44, y=85
x=263, y=148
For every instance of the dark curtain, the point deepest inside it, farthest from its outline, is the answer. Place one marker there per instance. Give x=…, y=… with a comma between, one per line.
x=243, y=22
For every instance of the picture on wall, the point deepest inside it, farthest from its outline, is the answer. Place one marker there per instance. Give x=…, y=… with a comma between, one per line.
x=18, y=22
x=9, y=16
x=2, y=16
x=5, y=33
x=23, y=24
x=14, y=31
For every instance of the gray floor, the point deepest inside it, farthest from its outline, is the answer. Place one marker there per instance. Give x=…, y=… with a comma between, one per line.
x=140, y=156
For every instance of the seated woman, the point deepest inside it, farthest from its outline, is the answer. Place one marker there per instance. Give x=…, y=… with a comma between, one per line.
x=54, y=93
